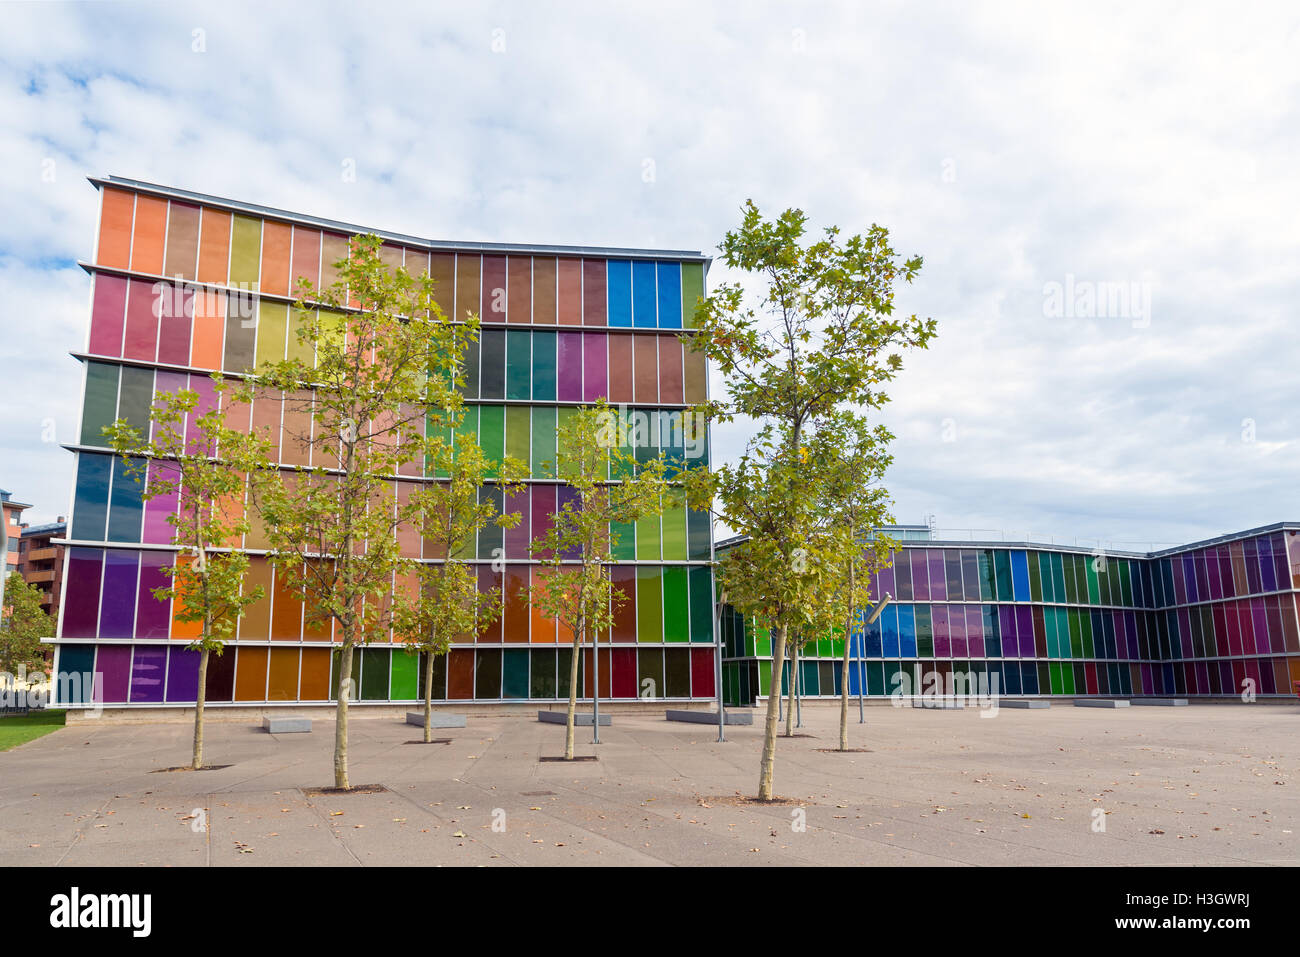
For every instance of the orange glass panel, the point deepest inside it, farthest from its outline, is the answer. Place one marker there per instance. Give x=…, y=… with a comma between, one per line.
x=696, y=375
x=185, y=630
x=148, y=234
x=209, y=329
x=515, y=612
x=544, y=291
x=646, y=374
x=214, y=246
x=442, y=269
x=670, y=369
x=306, y=258
x=116, y=214
x=543, y=625
x=520, y=305
x=182, y=240
x=282, y=684
x=286, y=611
x=314, y=683
x=467, y=284
x=250, y=674
x=256, y=623
x=277, y=239
x=569, y=301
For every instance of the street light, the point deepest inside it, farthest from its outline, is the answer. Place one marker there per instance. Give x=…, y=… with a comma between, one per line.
x=862, y=716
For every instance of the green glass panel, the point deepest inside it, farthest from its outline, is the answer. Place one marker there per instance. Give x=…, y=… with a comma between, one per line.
x=677, y=672
x=648, y=541
x=564, y=417
x=302, y=351
x=875, y=678
x=1085, y=629
x=543, y=445
x=405, y=681
x=518, y=427
x=650, y=667
x=1058, y=578
x=1065, y=567
x=701, y=580
x=699, y=533
x=100, y=408
x=649, y=604
x=245, y=250
x=136, y=398
x=1045, y=576
x=677, y=610
x=491, y=537
x=492, y=434
x=487, y=673
x=434, y=430
x=1035, y=580
x=374, y=674
x=272, y=326
x=1094, y=592
x=764, y=678
x=692, y=292
x=514, y=673
x=674, y=527
x=471, y=387
x=1002, y=569
x=623, y=541
x=1125, y=583
x=1105, y=581
x=986, y=575
x=544, y=366
x=924, y=632
x=518, y=363
x=809, y=683
x=541, y=676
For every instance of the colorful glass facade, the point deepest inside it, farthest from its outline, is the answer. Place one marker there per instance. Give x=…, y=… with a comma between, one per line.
x=184, y=284
x=1216, y=618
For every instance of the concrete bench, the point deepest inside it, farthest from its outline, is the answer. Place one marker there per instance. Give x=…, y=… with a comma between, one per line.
x=1034, y=703
x=1100, y=703
x=1162, y=702
x=439, y=719
x=582, y=719
x=710, y=717
x=285, y=724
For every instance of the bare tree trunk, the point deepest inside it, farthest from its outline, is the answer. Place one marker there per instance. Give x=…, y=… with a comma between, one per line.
x=844, y=677
x=341, y=723
x=199, y=702
x=428, y=697
x=769, y=726
x=794, y=676
x=573, y=696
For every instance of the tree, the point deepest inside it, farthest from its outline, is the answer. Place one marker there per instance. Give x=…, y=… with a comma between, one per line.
x=612, y=487
x=856, y=500
x=205, y=474
x=377, y=361
x=446, y=600
x=23, y=623
x=821, y=339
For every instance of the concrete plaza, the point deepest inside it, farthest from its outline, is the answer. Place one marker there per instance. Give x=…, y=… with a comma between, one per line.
x=1206, y=784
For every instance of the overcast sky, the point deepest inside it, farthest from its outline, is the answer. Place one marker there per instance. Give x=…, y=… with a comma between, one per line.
x=1106, y=199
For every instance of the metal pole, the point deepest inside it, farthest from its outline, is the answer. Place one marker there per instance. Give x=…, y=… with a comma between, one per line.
x=870, y=621
x=717, y=643
x=595, y=691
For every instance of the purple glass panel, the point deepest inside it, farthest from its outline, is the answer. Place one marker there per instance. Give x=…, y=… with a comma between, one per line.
x=117, y=604
x=1189, y=577
x=1266, y=683
x=974, y=631
x=1225, y=678
x=567, y=493
x=517, y=538
x=1007, y=628
x=1148, y=686
x=113, y=670
x=1025, y=630
x=1185, y=631
x=107, y=315
x=1176, y=572
x=920, y=575
x=1231, y=587
x=938, y=583
x=887, y=585
x=207, y=403
x=1215, y=589
x=175, y=324
x=1202, y=574
x=1259, y=625
x=147, y=673
x=1283, y=574
x=80, y=610
x=182, y=674
x=1251, y=551
x=942, y=642
x=168, y=383
x=153, y=617
x=1268, y=571
x=957, y=630
x=568, y=367
x=1131, y=630
x=595, y=366
x=157, y=530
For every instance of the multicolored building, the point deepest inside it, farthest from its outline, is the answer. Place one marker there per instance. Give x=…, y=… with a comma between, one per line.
x=1216, y=618
x=183, y=284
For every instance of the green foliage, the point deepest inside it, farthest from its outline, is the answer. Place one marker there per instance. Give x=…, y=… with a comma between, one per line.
x=810, y=355
x=22, y=626
x=204, y=468
x=578, y=547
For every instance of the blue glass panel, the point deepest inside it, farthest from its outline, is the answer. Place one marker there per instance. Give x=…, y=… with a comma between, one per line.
x=670, y=295
x=907, y=631
x=618, y=285
x=90, y=510
x=1020, y=575
x=643, y=295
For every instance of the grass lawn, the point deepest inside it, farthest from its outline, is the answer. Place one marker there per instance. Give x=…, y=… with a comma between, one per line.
x=20, y=728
